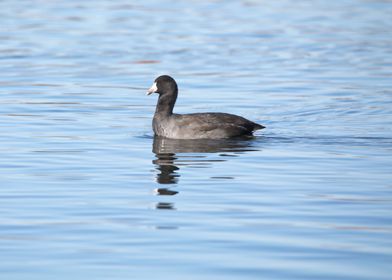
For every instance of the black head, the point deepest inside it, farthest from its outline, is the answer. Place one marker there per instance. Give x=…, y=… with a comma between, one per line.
x=163, y=84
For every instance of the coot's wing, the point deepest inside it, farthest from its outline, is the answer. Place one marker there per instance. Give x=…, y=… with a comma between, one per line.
x=211, y=125
x=226, y=130
x=216, y=120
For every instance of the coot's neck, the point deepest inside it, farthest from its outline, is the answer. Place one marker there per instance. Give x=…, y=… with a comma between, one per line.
x=166, y=102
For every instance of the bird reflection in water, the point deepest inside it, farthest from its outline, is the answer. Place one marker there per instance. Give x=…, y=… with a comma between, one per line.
x=171, y=153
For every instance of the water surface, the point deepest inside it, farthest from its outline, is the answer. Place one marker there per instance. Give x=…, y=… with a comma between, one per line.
x=87, y=192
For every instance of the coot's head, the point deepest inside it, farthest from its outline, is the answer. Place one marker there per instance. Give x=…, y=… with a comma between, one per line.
x=163, y=85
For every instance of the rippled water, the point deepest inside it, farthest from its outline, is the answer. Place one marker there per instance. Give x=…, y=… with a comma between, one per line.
x=86, y=192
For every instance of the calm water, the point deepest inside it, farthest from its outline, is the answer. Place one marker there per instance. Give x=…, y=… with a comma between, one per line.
x=86, y=192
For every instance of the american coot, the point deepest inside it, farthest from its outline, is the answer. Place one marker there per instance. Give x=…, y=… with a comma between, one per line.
x=193, y=126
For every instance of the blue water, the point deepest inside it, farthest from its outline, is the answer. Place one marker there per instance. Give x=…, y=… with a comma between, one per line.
x=86, y=192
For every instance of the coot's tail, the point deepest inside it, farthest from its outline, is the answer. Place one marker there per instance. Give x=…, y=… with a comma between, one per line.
x=257, y=126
